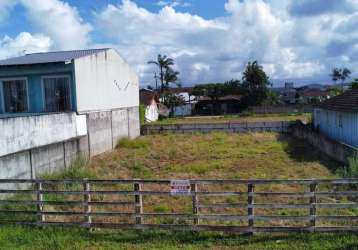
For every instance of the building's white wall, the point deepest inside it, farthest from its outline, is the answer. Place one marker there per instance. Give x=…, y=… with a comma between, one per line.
x=23, y=133
x=104, y=81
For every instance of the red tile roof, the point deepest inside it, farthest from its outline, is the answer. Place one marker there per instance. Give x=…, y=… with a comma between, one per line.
x=346, y=102
x=315, y=93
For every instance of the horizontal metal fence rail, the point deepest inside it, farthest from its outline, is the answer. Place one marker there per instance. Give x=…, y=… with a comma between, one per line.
x=33, y=197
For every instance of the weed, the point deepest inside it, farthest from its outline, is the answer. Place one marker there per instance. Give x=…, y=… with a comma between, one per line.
x=77, y=170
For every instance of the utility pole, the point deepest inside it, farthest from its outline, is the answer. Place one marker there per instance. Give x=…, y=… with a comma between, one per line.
x=156, y=81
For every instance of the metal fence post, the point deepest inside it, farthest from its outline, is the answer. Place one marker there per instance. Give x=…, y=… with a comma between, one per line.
x=40, y=207
x=138, y=200
x=195, y=200
x=250, y=208
x=87, y=199
x=313, y=201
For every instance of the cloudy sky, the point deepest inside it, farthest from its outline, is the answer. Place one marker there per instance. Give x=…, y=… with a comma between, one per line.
x=210, y=40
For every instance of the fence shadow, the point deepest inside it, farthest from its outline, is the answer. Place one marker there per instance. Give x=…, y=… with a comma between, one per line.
x=216, y=239
x=302, y=151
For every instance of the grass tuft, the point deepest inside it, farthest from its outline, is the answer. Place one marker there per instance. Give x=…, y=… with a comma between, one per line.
x=132, y=144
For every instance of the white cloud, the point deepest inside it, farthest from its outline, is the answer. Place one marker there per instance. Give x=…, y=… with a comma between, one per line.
x=23, y=43
x=60, y=21
x=141, y=34
x=205, y=50
x=210, y=50
x=173, y=3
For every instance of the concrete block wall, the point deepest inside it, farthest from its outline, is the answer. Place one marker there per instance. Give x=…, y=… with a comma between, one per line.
x=243, y=127
x=104, y=129
x=334, y=149
x=99, y=125
x=48, y=159
x=133, y=122
x=120, y=125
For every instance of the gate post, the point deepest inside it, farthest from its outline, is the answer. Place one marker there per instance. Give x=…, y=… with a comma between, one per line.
x=250, y=208
x=87, y=209
x=313, y=201
x=138, y=201
x=195, y=200
x=40, y=205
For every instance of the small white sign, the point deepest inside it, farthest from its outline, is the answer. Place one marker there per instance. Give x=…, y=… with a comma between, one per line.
x=180, y=187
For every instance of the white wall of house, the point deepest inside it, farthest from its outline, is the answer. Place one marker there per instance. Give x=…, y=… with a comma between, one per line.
x=23, y=133
x=104, y=81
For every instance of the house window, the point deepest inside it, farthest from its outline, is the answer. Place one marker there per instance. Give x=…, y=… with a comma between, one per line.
x=15, y=96
x=57, y=94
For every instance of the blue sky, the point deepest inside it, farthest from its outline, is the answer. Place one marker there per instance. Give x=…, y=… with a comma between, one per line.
x=210, y=40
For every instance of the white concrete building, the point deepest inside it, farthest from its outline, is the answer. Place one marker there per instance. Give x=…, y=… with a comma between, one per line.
x=55, y=106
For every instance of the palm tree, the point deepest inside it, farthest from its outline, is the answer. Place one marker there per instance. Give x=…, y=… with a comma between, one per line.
x=163, y=63
x=335, y=75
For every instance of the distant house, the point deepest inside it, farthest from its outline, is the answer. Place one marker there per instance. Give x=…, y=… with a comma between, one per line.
x=338, y=117
x=57, y=106
x=313, y=96
x=189, y=99
x=149, y=98
x=230, y=104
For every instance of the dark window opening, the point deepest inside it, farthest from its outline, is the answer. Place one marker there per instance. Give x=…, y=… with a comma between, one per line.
x=57, y=94
x=15, y=96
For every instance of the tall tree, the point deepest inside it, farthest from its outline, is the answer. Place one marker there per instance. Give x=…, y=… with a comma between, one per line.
x=163, y=63
x=340, y=74
x=171, y=76
x=255, y=84
x=345, y=73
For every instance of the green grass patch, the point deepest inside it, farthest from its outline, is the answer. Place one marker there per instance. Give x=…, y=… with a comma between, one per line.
x=132, y=144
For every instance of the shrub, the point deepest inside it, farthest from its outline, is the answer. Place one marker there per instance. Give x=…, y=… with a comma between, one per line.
x=350, y=171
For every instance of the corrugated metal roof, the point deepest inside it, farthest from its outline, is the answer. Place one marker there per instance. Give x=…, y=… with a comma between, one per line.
x=346, y=102
x=49, y=57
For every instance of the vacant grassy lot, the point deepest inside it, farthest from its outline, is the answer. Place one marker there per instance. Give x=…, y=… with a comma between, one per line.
x=237, y=118
x=215, y=155
x=209, y=156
